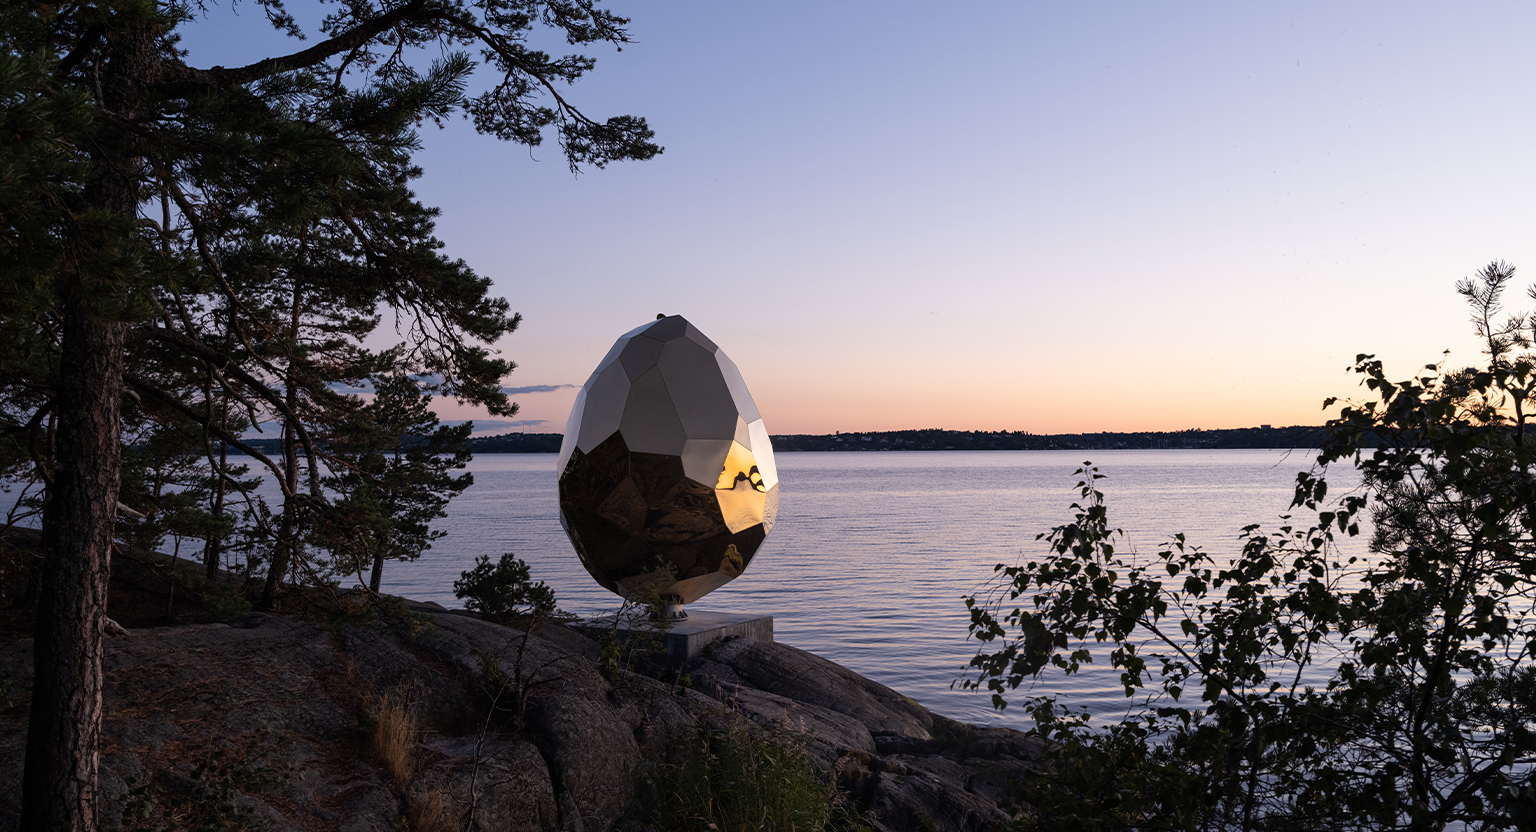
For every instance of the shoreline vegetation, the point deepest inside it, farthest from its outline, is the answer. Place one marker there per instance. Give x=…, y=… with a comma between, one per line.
x=298, y=699
x=934, y=439
x=345, y=710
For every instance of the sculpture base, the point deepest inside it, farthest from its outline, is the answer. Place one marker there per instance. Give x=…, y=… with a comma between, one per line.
x=700, y=629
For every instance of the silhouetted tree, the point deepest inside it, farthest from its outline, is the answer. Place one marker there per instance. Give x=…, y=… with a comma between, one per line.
x=395, y=474
x=139, y=196
x=1289, y=687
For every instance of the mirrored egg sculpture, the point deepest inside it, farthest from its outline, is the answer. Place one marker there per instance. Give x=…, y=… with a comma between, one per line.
x=666, y=463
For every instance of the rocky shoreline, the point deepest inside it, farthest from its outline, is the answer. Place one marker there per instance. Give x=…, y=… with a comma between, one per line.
x=519, y=731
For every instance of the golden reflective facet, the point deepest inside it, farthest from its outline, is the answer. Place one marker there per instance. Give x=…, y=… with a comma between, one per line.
x=666, y=468
x=742, y=506
x=740, y=466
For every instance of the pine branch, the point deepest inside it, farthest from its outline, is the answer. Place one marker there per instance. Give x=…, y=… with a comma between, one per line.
x=144, y=386
x=219, y=361
x=358, y=36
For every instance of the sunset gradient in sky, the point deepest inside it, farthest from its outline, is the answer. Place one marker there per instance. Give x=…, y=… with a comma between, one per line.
x=1033, y=216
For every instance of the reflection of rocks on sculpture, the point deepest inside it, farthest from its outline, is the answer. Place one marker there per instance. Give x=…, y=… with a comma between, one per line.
x=666, y=463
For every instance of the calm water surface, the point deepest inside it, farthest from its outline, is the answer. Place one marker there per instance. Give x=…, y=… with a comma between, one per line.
x=873, y=552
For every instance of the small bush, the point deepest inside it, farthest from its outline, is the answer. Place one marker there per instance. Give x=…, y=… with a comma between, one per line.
x=743, y=779
x=221, y=600
x=503, y=591
x=643, y=622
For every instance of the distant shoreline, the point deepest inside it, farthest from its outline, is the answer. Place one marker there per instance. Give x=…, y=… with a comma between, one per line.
x=1266, y=436
x=933, y=439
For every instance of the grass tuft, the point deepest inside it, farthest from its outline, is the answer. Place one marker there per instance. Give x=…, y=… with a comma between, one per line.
x=429, y=810
x=395, y=730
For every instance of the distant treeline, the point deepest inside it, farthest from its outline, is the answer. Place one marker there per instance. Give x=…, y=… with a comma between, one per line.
x=512, y=443
x=517, y=443
x=1297, y=436
x=933, y=439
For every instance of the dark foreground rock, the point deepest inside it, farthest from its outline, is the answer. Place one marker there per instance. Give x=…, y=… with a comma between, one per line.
x=275, y=715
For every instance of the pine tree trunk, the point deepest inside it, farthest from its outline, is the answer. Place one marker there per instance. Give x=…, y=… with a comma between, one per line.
x=213, y=551
x=288, y=545
x=378, y=571
x=286, y=550
x=63, y=733
x=59, y=779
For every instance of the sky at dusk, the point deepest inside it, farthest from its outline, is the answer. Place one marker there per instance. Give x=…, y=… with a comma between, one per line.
x=1045, y=217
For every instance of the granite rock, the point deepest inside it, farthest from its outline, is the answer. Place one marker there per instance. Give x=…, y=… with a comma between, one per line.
x=522, y=731
x=495, y=783
x=810, y=679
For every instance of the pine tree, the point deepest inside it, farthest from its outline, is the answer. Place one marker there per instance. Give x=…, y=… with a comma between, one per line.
x=396, y=474
x=143, y=198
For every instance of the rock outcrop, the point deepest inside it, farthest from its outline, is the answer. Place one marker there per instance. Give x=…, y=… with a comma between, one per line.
x=522, y=732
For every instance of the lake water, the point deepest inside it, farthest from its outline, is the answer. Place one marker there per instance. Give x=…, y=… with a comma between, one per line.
x=873, y=552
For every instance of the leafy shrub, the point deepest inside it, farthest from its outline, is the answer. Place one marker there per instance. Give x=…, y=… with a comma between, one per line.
x=503, y=591
x=1285, y=685
x=741, y=778
x=221, y=600
x=635, y=632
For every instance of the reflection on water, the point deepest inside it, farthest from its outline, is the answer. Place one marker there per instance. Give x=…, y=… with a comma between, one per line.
x=872, y=552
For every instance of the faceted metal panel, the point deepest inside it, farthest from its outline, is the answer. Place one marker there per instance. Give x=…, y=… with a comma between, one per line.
x=665, y=329
x=572, y=427
x=640, y=355
x=666, y=466
x=613, y=352
x=704, y=458
x=771, y=509
x=742, y=506
x=606, y=392
x=764, y=451
x=739, y=393
x=704, y=402
x=650, y=424
x=700, y=339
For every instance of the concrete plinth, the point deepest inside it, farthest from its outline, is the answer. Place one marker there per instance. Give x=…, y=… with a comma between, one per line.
x=700, y=629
